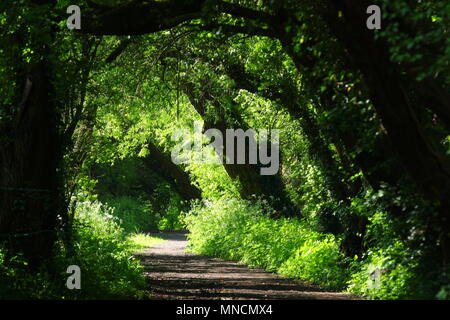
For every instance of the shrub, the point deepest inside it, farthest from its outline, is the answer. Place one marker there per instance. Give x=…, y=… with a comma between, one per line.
x=103, y=255
x=385, y=274
x=134, y=216
x=318, y=261
x=108, y=270
x=243, y=230
x=171, y=219
x=389, y=269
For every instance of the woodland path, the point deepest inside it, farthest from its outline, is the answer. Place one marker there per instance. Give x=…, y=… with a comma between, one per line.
x=175, y=274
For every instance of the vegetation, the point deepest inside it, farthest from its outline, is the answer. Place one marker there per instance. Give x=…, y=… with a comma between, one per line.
x=287, y=245
x=360, y=202
x=292, y=247
x=100, y=249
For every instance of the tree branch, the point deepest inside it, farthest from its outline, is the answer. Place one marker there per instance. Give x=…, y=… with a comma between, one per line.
x=140, y=18
x=137, y=18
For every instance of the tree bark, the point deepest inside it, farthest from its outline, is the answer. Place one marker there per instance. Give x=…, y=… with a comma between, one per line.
x=288, y=98
x=30, y=181
x=162, y=164
x=252, y=183
x=31, y=188
x=427, y=166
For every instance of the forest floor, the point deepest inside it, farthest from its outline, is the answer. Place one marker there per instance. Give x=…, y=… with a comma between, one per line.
x=174, y=274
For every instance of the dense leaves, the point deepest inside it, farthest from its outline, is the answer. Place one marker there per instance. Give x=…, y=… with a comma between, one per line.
x=360, y=201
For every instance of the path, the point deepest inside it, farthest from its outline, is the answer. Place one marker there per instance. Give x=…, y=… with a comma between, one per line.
x=174, y=274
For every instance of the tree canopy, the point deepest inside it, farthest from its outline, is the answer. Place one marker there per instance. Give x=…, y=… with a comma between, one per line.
x=364, y=117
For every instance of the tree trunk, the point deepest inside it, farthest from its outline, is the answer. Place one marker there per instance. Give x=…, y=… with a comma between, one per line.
x=30, y=157
x=162, y=164
x=30, y=182
x=288, y=98
x=428, y=168
x=252, y=183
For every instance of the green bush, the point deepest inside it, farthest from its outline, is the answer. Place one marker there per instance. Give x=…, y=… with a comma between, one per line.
x=108, y=270
x=171, y=219
x=385, y=274
x=140, y=216
x=133, y=215
x=242, y=230
x=388, y=269
x=318, y=261
x=217, y=226
x=16, y=282
x=103, y=255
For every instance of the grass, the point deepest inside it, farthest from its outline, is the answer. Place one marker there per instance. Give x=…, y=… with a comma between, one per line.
x=139, y=241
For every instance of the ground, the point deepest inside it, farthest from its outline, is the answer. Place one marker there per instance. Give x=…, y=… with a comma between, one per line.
x=173, y=274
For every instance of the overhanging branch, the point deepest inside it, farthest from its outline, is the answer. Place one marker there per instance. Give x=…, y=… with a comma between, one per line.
x=139, y=17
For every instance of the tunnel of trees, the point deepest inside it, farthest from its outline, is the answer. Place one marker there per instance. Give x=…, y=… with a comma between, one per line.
x=87, y=117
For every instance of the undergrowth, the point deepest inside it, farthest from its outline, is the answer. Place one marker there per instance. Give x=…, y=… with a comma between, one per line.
x=102, y=250
x=241, y=230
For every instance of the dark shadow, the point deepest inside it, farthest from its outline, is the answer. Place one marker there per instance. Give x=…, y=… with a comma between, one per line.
x=180, y=275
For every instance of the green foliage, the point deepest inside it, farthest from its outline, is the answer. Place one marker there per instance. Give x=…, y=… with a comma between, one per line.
x=444, y=293
x=337, y=166
x=16, y=281
x=318, y=261
x=103, y=255
x=133, y=215
x=139, y=241
x=385, y=274
x=140, y=198
x=172, y=218
x=242, y=230
x=428, y=49
x=100, y=249
x=213, y=180
x=390, y=268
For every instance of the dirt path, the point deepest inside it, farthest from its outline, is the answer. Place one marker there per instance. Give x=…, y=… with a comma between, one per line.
x=174, y=274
